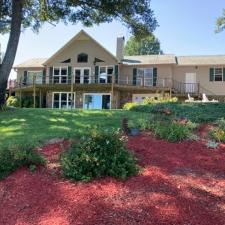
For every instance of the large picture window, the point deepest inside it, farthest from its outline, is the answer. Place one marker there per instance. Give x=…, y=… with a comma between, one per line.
x=106, y=73
x=30, y=76
x=60, y=75
x=63, y=100
x=145, y=75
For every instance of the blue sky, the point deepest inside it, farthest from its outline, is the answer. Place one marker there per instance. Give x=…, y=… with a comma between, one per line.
x=186, y=27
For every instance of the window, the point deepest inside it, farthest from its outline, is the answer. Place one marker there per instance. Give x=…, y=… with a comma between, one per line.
x=82, y=75
x=218, y=74
x=60, y=75
x=106, y=73
x=63, y=100
x=38, y=77
x=82, y=58
x=145, y=75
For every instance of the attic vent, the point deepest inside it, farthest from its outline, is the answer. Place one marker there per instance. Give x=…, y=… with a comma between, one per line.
x=82, y=58
x=66, y=61
x=98, y=60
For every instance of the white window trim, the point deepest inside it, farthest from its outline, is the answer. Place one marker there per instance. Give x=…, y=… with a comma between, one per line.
x=60, y=74
x=214, y=73
x=113, y=66
x=60, y=92
x=34, y=71
x=110, y=106
x=82, y=74
x=144, y=68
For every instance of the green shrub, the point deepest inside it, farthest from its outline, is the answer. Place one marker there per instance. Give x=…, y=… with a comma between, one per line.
x=172, y=132
x=129, y=105
x=152, y=100
x=12, y=101
x=218, y=134
x=16, y=156
x=101, y=155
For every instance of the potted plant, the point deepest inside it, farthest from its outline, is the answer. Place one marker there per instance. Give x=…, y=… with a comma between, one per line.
x=134, y=128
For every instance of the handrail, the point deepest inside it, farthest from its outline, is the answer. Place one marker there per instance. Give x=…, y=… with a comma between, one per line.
x=102, y=80
x=182, y=87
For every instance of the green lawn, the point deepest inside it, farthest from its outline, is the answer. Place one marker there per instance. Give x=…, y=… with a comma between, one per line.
x=35, y=126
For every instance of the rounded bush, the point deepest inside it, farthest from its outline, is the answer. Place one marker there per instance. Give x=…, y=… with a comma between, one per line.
x=101, y=155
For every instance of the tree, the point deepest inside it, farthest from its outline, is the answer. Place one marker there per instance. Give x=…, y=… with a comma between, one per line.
x=220, y=24
x=16, y=15
x=148, y=45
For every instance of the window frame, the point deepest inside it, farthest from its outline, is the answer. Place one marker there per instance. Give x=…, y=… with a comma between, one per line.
x=107, y=75
x=60, y=74
x=60, y=100
x=214, y=74
x=82, y=75
x=144, y=77
x=82, y=53
x=34, y=71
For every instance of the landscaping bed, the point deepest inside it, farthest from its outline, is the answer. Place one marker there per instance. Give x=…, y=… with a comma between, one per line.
x=181, y=183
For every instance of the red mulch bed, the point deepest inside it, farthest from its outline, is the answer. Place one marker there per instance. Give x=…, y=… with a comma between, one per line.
x=182, y=183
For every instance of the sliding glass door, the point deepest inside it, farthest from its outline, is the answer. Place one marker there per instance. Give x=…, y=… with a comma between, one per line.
x=97, y=101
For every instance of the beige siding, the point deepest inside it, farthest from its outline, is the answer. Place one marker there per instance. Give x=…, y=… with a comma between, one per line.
x=163, y=71
x=202, y=77
x=83, y=46
x=20, y=72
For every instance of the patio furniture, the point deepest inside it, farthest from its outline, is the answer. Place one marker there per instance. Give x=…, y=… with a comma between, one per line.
x=190, y=99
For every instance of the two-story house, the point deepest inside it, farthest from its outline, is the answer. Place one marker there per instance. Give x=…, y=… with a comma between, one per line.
x=84, y=74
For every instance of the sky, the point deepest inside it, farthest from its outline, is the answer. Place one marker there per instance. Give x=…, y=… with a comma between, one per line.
x=186, y=27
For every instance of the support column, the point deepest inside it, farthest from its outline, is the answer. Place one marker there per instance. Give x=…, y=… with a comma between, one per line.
x=112, y=92
x=72, y=94
x=34, y=91
x=40, y=99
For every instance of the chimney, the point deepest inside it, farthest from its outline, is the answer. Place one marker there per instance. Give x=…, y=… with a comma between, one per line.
x=120, y=48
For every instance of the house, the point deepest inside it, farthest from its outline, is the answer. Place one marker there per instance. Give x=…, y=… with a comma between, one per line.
x=84, y=74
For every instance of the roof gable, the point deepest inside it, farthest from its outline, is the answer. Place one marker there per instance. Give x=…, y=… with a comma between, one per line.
x=82, y=35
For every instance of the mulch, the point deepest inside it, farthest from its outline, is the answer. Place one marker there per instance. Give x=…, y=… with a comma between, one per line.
x=181, y=184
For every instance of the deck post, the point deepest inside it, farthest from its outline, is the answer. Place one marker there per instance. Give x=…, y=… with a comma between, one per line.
x=34, y=91
x=112, y=92
x=40, y=99
x=71, y=90
x=20, y=93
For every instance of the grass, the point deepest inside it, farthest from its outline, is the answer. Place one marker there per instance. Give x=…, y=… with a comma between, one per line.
x=196, y=112
x=35, y=126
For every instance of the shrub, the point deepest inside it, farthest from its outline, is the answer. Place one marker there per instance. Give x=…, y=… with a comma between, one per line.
x=218, y=134
x=172, y=132
x=129, y=105
x=152, y=100
x=12, y=101
x=99, y=156
x=16, y=156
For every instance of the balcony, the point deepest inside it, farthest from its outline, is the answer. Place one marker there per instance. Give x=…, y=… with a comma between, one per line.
x=108, y=81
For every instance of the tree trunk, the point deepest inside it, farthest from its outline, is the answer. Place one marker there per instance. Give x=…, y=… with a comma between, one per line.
x=7, y=63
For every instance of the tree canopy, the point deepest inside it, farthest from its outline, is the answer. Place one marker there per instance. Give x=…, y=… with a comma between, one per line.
x=16, y=15
x=148, y=45
x=220, y=25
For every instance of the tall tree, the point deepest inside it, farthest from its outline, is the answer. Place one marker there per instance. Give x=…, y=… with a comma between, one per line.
x=16, y=15
x=220, y=24
x=148, y=45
